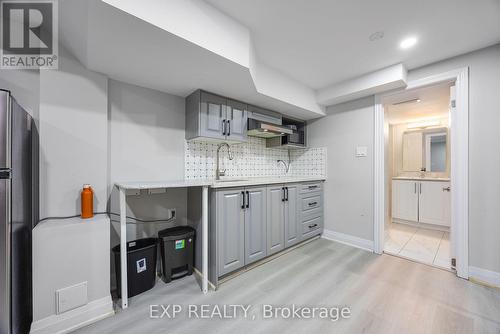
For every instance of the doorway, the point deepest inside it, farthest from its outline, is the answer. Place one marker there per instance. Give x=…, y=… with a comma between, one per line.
x=417, y=155
x=429, y=142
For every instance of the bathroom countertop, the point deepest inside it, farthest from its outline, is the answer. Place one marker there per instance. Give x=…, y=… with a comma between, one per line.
x=416, y=178
x=224, y=183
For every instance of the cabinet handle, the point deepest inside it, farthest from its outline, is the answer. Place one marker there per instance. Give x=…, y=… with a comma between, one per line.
x=313, y=225
x=446, y=189
x=313, y=203
x=286, y=199
x=283, y=194
x=224, y=127
x=313, y=187
x=420, y=187
x=415, y=188
x=228, y=127
x=248, y=199
x=243, y=199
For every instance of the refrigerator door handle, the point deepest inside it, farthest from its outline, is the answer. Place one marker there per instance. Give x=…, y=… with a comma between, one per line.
x=5, y=173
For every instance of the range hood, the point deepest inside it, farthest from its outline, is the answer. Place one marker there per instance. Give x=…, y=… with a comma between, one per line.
x=266, y=130
x=266, y=125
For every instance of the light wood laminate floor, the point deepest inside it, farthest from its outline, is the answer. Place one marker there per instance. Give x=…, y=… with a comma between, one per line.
x=386, y=294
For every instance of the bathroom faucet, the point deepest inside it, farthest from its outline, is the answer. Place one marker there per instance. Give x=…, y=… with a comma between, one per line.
x=218, y=172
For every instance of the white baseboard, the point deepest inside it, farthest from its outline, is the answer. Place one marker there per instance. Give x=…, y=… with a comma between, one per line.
x=348, y=240
x=74, y=319
x=484, y=276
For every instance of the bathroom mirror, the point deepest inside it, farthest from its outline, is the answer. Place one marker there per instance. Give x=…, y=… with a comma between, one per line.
x=425, y=150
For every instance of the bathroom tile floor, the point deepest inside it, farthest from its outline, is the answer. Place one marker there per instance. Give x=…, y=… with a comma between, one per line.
x=418, y=244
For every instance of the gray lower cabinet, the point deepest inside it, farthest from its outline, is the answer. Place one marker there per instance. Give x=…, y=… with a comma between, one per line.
x=275, y=219
x=255, y=224
x=230, y=230
x=292, y=221
x=241, y=226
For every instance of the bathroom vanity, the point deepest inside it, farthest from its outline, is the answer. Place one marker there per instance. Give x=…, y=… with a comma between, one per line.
x=421, y=200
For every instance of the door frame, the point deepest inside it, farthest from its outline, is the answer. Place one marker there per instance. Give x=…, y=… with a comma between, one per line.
x=459, y=165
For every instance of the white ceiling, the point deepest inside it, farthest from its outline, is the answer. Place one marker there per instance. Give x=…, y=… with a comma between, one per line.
x=323, y=42
x=434, y=103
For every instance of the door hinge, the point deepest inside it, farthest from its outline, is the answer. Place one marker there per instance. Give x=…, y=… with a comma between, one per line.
x=453, y=103
x=453, y=262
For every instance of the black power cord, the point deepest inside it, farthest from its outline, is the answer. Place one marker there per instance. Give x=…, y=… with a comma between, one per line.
x=168, y=220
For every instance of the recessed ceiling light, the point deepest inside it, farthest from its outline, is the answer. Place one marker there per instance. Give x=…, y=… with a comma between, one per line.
x=376, y=36
x=408, y=42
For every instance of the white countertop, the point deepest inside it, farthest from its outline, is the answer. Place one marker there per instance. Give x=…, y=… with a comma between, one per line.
x=224, y=183
x=416, y=178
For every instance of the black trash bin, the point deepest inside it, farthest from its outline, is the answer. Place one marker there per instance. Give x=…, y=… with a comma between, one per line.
x=177, y=252
x=141, y=265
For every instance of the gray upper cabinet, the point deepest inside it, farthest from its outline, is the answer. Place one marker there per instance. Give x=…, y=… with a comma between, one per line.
x=230, y=230
x=292, y=223
x=255, y=224
x=275, y=219
x=215, y=117
x=212, y=116
x=237, y=119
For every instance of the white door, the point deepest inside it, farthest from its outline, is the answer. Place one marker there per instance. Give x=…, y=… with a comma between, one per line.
x=434, y=203
x=405, y=200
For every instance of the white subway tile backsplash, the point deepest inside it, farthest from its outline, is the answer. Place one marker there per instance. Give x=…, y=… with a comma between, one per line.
x=251, y=159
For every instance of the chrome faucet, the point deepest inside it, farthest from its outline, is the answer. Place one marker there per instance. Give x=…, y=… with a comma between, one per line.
x=287, y=165
x=218, y=172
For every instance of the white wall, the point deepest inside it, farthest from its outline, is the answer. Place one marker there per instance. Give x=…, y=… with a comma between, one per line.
x=146, y=142
x=350, y=181
x=66, y=253
x=484, y=118
x=24, y=86
x=348, y=190
x=73, y=137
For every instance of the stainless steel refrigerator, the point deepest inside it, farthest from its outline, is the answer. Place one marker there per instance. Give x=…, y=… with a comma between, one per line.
x=18, y=213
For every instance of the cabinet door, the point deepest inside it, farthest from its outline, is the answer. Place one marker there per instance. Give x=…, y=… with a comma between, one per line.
x=275, y=219
x=255, y=224
x=292, y=232
x=212, y=116
x=230, y=230
x=405, y=200
x=412, y=151
x=434, y=203
x=236, y=121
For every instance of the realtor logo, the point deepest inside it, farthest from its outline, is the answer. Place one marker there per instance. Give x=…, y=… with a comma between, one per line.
x=29, y=34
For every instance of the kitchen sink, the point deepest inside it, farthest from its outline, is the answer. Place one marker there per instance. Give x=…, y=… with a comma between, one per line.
x=230, y=180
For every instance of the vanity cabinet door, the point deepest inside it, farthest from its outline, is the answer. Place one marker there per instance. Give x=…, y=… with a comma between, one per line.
x=255, y=224
x=275, y=219
x=292, y=223
x=405, y=200
x=237, y=120
x=213, y=116
x=230, y=230
x=434, y=203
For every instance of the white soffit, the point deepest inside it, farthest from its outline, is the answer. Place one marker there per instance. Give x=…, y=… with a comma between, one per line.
x=197, y=46
x=386, y=79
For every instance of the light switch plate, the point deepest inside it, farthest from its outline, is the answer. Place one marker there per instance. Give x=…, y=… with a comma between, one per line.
x=361, y=151
x=71, y=297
